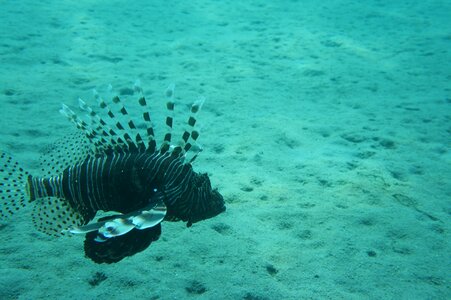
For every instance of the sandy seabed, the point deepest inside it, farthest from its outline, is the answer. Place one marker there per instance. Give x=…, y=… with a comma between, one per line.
x=326, y=128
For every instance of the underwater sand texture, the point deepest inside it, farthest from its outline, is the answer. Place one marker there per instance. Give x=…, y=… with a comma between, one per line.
x=326, y=128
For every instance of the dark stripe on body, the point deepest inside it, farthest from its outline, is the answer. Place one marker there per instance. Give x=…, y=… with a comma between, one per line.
x=125, y=183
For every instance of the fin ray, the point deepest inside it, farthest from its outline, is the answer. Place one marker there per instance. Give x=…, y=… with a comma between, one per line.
x=113, y=130
x=67, y=151
x=52, y=215
x=13, y=180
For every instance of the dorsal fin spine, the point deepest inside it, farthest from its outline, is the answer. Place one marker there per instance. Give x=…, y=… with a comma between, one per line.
x=170, y=105
x=191, y=134
x=112, y=130
x=150, y=135
x=114, y=137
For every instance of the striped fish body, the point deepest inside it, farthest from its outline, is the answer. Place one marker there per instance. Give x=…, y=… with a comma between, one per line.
x=115, y=184
x=126, y=182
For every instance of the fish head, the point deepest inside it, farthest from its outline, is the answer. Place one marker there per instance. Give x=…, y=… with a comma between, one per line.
x=207, y=203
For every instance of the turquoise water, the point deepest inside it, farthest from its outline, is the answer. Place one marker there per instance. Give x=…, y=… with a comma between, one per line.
x=326, y=127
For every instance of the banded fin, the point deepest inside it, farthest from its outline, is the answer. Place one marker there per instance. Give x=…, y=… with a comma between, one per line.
x=52, y=215
x=96, y=138
x=113, y=130
x=188, y=143
x=12, y=186
x=150, y=134
x=170, y=105
x=188, y=140
x=98, y=132
x=121, y=135
x=132, y=129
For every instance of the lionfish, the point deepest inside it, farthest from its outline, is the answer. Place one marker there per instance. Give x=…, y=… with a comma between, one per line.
x=112, y=182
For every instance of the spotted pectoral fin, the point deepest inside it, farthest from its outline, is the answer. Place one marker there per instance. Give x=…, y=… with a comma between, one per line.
x=53, y=215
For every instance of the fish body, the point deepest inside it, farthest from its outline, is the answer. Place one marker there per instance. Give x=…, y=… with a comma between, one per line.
x=122, y=173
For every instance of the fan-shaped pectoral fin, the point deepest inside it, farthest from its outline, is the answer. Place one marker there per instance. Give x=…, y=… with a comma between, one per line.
x=151, y=217
x=121, y=224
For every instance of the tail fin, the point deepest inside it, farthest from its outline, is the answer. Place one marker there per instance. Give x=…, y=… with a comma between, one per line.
x=13, y=182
